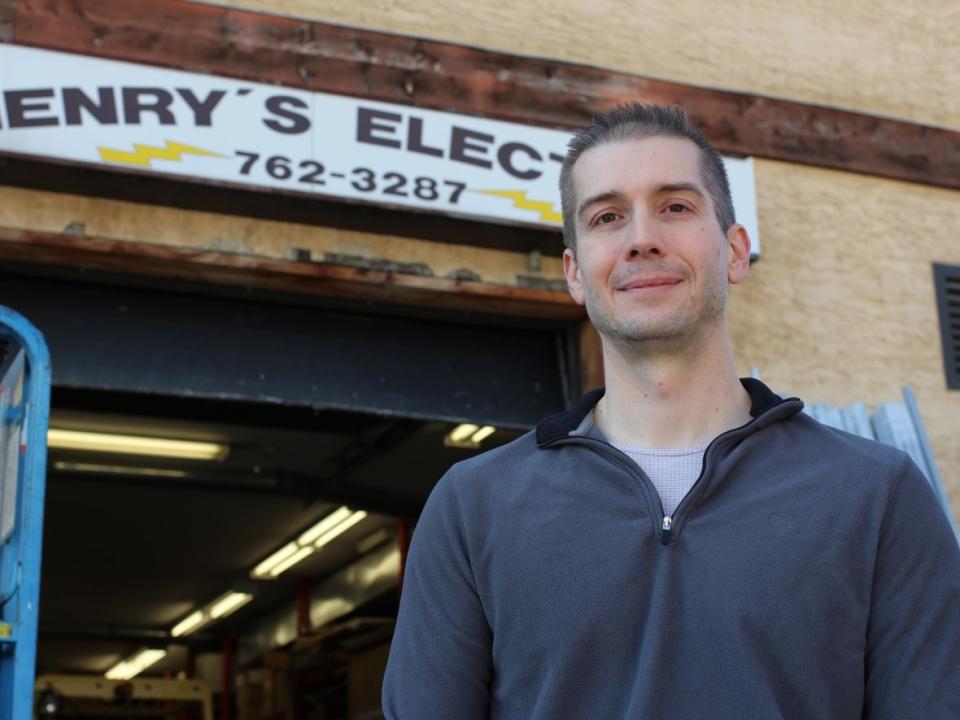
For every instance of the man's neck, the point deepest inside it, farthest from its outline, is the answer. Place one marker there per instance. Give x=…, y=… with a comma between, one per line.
x=670, y=399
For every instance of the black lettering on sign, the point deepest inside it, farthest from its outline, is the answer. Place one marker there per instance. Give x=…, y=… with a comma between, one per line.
x=395, y=184
x=20, y=109
x=367, y=125
x=103, y=109
x=137, y=101
x=415, y=139
x=280, y=105
x=315, y=171
x=505, y=156
x=463, y=141
x=202, y=109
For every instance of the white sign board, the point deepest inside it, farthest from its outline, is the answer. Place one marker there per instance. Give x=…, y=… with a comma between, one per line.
x=209, y=128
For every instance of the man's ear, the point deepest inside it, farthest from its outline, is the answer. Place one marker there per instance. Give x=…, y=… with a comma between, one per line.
x=738, y=262
x=572, y=272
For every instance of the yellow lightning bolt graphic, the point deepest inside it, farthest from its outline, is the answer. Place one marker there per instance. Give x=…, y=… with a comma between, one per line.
x=143, y=154
x=519, y=198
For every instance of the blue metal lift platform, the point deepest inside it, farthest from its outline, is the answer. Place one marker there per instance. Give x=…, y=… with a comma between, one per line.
x=24, y=416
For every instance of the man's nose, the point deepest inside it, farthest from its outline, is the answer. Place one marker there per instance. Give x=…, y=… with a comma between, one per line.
x=643, y=237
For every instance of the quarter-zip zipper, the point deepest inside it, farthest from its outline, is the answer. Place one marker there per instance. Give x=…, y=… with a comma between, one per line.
x=665, y=522
x=666, y=529
x=668, y=524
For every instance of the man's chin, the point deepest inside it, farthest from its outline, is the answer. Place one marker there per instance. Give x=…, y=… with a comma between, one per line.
x=638, y=333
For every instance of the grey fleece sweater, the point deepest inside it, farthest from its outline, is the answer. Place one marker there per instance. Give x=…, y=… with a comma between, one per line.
x=809, y=574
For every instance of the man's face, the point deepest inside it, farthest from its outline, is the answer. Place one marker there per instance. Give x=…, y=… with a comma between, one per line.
x=652, y=262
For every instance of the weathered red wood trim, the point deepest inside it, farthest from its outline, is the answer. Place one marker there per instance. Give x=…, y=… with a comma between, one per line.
x=8, y=9
x=350, y=61
x=312, y=278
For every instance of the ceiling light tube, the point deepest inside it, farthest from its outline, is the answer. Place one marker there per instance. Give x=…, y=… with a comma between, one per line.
x=135, y=445
x=291, y=561
x=462, y=432
x=324, y=525
x=482, y=434
x=99, y=469
x=224, y=605
x=192, y=622
x=135, y=664
x=229, y=603
x=341, y=528
x=264, y=568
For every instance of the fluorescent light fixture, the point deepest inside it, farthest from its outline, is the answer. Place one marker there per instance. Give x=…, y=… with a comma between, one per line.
x=263, y=569
x=482, y=434
x=224, y=605
x=316, y=537
x=291, y=561
x=468, y=435
x=337, y=516
x=193, y=621
x=229, y=603
x=341, y=528
x=135, y=664
x=135, y=445
x=461, y=432
x=116, y=469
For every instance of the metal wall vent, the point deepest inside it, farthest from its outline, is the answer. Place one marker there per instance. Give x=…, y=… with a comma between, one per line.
x=946, y=280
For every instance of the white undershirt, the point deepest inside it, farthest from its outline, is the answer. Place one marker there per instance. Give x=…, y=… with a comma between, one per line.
x=673, y=471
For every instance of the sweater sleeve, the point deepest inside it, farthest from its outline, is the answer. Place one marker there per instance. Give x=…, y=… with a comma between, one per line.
x=913, y=634
x=440, y=664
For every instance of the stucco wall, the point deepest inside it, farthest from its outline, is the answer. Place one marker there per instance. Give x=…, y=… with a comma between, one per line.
x=841, y=306
x=887, y=57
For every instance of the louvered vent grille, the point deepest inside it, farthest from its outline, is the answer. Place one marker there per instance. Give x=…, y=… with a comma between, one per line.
x=947, y=281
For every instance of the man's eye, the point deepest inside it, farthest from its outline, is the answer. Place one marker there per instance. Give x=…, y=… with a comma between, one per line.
x=606, y=218
x=677, y=208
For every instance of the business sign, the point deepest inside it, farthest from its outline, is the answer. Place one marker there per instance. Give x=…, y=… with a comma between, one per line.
x=208, y=128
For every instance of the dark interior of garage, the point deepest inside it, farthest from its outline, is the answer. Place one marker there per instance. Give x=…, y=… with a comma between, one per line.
x=318, y=412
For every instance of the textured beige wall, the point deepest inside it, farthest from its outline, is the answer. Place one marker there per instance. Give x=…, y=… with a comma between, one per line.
x=113, y=219
x=841, y=306
x=888, y=57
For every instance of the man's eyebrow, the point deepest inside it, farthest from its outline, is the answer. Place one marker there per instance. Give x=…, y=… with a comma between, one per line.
x=598, y=198
x=661, y=189
x=666, y=188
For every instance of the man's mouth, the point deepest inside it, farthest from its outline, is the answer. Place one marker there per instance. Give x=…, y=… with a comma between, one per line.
x=650, y=283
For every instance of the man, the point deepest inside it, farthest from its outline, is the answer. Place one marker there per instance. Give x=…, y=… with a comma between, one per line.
x=686, y=544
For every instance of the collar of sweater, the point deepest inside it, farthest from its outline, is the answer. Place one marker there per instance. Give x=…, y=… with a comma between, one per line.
x=763, y=403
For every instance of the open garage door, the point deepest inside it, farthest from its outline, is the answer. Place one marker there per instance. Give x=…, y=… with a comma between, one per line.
x=312, y=412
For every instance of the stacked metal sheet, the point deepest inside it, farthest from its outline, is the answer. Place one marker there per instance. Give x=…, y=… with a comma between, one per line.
x=893, y=423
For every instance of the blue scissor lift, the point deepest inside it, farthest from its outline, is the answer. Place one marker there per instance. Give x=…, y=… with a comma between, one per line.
x=24, y=416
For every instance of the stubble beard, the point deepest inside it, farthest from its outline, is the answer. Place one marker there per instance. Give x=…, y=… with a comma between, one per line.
x=656, y=327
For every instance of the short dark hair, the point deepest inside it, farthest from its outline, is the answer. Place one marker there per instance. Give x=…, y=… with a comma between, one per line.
x=637, y=121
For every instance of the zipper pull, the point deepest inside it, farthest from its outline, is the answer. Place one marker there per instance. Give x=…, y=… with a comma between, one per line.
x=665, y=531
